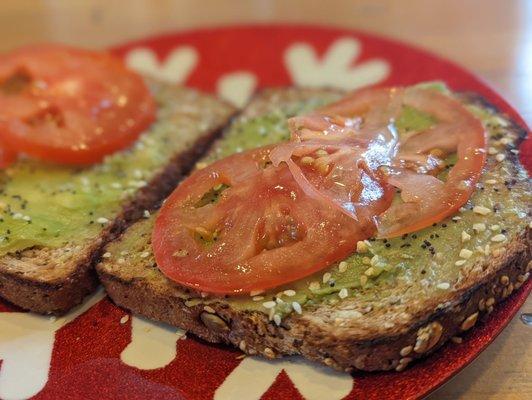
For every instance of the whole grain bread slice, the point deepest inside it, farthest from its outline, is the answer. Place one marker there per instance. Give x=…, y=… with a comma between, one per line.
x=53, y=280
x=371, y=330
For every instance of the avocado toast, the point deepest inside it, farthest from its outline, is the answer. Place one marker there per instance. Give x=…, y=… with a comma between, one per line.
x=55, y=219
x=393, y=301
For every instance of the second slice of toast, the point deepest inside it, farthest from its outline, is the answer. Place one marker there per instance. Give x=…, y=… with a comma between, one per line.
x=53, y=279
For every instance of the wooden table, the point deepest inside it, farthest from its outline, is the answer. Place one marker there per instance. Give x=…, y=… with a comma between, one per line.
x=490, y=37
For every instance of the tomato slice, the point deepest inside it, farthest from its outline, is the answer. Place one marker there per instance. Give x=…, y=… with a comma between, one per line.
x=369, y=115
x=7, y=157
x=69, y=105
x=426, y=199
x=261, y=232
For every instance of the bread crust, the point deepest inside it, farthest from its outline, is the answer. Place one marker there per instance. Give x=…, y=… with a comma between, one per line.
x=314, y=333
x=253, y=333
x=59, y=293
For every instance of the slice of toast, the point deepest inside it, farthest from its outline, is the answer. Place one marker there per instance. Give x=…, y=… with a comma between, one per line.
x=386, y=321
x=55, y=279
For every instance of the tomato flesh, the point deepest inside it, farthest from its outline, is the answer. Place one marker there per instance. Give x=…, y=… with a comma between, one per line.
x=368, y=115
x=69, y=105
x=263, y=230
x=7, y=157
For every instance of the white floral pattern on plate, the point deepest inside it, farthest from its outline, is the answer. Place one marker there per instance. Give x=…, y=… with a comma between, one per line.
x=336, y=68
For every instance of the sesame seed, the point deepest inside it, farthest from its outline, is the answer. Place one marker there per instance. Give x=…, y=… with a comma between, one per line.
x=498, y=238
x=278, y=300
x=314, y=285
x=495, y=227
x=491, y=181
x=362, y=246
x=53, y=318
x=277, y=319
x=269, y=304
x=500, y=157
x=290, y=292
x=107, y=255
x=258, y=298
x=465, y=236
x=255, y=292
x=459, y=263
x=146, y=214
x=26, y=218
x=443, y=285
x=363, y=280
x=326, y=277
x=506, y=140
x=342, y=267
x=209, y=309
x=369, y=271
x=492, y=151
x=457, y=218
x=297, y=307
x=481, y=210
x=465, y=253
x=121, y=261
x=343, y=293
x=124, y=319
x=102, y=220
x=307, y=160
x=17, y=216
x=480, y=227
x=145, y=254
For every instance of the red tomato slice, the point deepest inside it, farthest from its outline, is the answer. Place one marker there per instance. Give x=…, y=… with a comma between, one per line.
x=428, y=200
x=7, y=157
x=263, y=231
x=369, y=115
x=69, y=105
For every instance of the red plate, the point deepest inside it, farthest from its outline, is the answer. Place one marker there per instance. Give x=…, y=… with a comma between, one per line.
x=96, y=353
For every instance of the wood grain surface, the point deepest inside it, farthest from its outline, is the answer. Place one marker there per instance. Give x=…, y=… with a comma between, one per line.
x=492, y=38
